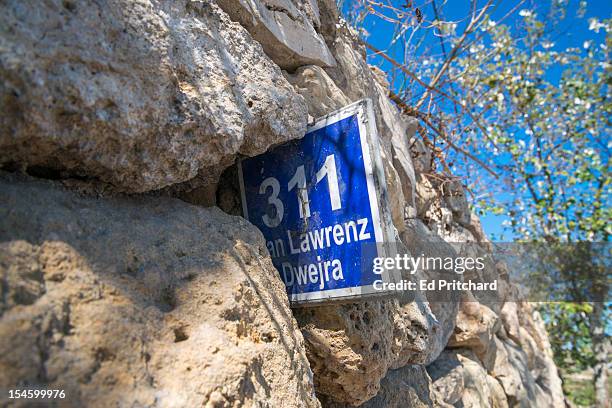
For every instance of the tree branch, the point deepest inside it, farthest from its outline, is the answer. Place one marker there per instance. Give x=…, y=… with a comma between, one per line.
x=413, y=112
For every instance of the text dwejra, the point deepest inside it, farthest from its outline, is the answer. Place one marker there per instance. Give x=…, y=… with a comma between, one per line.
x=321, y=271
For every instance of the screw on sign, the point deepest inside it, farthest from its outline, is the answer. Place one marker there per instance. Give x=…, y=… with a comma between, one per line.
x=321, y=204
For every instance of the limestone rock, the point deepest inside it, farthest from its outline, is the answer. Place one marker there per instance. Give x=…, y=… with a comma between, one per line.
x=508, y=375
x=475, y=227
x=352, y=346
x=534, y=341
x=416, y=329
x=529, y=346
x=421, y=156
x=456, y=200
x=476, y=327
x=409, y=386
x=397, y=202
x=321, y=94
x=140, y=94
x=401, y=130
x=311, y=9
x=349, y=346
x=510, y=320
x=142, y=302
x=528, y=392
x=496, y=391
x=426, y=195
x=284, y=28
x=22, y=277
x=531, y=322
x=524, y=364
x=448, y=377
x=329, y=18
x=466, y=246
x=479, y=388
x=444, y=305
x=519, y=383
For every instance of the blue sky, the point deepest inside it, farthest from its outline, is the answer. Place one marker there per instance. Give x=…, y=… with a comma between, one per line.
x=570, y=32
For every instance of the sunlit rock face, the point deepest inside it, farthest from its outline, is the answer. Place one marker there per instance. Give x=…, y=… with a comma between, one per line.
x=286, y=29
x=139, y=94
x=133, y=302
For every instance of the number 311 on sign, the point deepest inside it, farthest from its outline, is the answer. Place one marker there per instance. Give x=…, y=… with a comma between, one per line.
x=321, y=204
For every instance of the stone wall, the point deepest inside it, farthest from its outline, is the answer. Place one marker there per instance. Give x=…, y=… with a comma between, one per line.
x=115, y=288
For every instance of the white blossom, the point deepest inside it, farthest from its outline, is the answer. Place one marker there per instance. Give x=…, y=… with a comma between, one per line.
x=595, y=25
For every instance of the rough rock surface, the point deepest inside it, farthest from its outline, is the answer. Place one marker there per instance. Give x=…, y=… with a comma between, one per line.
x=409, y=386
x=461, y=380
x=350, y=347
x=140, y=94
x=421, y=241
x=448, y=377
x=322, y=95
x=182, y=308
x=460, y=376
x=475, y=328
x=285, y=28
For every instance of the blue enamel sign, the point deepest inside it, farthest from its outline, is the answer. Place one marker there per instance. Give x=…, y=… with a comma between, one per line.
x=321, y=204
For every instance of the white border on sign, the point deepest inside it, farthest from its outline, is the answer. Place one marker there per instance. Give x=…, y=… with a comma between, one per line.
x=245, y=210
x=383, y=232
